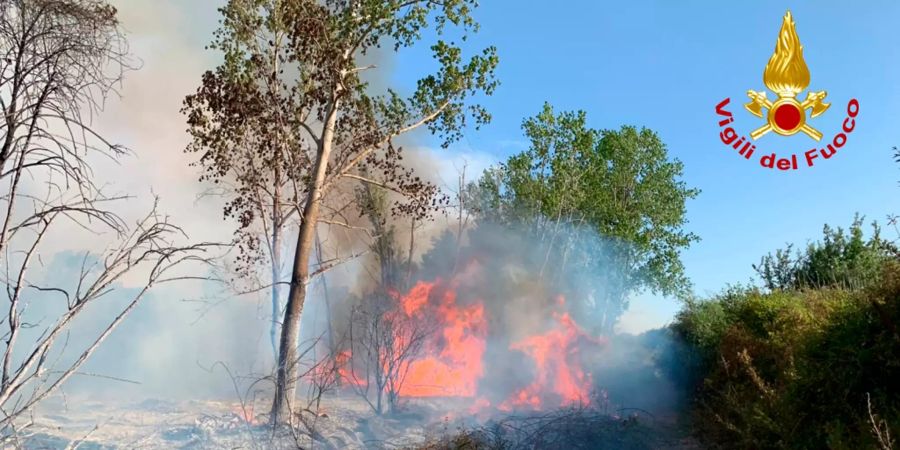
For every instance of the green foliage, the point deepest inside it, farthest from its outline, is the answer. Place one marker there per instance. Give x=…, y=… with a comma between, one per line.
x=841, y=259
x=617, y=184
x=289, y=103
x=290, y=65
x=792, y=369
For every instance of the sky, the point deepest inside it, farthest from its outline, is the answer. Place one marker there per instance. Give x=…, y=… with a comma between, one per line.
x=659, y=64
x=666, y=65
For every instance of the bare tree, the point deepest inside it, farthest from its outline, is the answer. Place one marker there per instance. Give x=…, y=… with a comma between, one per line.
x=318, y=378
x=463, y=213
x=384, y=341
x=880, y=429
x=384, y=338
x=29, y=372
x=335, y=124
x=60, y=60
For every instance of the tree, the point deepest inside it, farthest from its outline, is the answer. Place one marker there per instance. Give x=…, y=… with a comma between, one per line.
x=384, y=338
x=60, y=59
x=840, y=260
x=344, y=131
x=384, y=341
x=243, y=126
x=575, y=184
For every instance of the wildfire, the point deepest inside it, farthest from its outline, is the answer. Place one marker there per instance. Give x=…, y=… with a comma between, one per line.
x=558, y=370
x=245, y=414
x=456, y=352
x=452, y=363
x=342, y=363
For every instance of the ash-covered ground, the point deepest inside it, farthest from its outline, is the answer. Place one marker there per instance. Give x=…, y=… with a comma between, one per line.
x=344, y=422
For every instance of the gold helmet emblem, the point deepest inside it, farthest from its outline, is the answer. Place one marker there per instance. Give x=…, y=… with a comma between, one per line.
x=787, y=75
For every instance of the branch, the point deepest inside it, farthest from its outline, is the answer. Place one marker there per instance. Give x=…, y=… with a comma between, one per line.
x=362, y=155
x=373, y=182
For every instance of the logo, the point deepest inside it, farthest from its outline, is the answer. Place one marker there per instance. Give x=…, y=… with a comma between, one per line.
x=787, y=76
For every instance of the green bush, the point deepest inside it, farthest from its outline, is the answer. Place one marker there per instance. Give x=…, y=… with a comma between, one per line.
x=794, y=369
x=842, y=259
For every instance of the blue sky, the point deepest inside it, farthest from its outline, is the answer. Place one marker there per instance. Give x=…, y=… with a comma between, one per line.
x=665, y=65
x=659, y=64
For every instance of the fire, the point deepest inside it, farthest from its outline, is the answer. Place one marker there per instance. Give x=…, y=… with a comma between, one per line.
x=452, y=363
x=559, y=375
x=342, y=363
x=245, y=414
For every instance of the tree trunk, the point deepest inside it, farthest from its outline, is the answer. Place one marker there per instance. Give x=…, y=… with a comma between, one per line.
x=276, y=286
x=277, y=218
x=409, y=258
x=379, y=408
x=287, y=373
x=332, y=350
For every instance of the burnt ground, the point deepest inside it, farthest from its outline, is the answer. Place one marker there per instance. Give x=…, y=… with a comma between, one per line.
x=344, y=422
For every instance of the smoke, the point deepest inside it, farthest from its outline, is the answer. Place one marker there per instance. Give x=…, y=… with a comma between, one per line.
x=167, y=345
x=170, y=345
x=513, y=325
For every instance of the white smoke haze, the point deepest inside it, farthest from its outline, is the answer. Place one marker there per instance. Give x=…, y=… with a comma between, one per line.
x=176, y=331
x=170, y=346
x=169, y=38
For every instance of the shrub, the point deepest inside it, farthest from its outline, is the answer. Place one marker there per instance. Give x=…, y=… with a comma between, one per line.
x=840, y=260
x=794, y=369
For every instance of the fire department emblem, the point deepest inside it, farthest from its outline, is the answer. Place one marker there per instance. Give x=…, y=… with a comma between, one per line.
x=787, y=75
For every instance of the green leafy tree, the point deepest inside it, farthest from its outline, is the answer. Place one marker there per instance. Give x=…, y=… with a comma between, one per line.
x=339, y=130
x=575, y=183
x=842, y=259
x=248, y=141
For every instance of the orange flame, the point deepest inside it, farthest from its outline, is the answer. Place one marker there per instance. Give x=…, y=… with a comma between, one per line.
x=245, y=413
x=559, y=374
x=452, y=364
x=342, y=362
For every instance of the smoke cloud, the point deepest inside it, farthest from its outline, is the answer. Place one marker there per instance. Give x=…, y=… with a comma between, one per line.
x=172, y=341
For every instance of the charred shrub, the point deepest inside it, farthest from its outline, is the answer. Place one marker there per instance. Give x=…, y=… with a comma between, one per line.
x=568, y=428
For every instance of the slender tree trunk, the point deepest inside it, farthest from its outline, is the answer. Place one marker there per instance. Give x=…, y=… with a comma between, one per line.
x=277, y=218
x=327, y=299
x=409, y=258
x=276, y=280
x=379, y=409
x=287, y=371
x=459, y=219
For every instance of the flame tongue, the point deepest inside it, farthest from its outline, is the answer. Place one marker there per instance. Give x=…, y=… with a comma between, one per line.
x=453, y=365
x=786, y=73
x=559, y=380
x=454, y=362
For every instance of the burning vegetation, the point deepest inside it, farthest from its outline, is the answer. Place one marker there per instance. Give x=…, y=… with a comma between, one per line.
x=438, y=348
x=476, y=317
